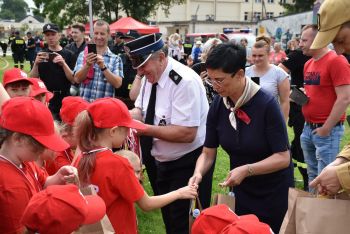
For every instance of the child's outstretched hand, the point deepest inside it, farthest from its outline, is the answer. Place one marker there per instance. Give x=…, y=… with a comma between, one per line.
x=187, y=192
x=69, y=175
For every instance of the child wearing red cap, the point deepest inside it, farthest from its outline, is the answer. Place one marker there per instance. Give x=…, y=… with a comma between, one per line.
x=16, y=83
x=71, y=107
x=221, y=219
x=26, y=130
x=103, y=126
x=62, y=209
x=39, y=91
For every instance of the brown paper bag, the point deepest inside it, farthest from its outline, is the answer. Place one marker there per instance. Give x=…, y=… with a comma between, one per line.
x=102, y=227
x=224, y=198
x=288, y=225
x=322, y=216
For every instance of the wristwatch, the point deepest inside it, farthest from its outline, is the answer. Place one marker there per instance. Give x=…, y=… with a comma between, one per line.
x=104, y=68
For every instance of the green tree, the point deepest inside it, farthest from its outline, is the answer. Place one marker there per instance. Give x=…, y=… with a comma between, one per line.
x=298, y=6
x=13, y=9
x=65, y=12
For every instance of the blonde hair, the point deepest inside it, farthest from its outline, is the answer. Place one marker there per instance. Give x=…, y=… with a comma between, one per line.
x=128, y=154
x=208, y=47
x=261, y=42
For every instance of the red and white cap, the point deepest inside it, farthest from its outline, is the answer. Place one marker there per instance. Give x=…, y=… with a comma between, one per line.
x=31, y=117
x=112, y=112
x=62, y=209
x=14, y=75
x=71, y=107
x=220, y=219
x=39, y=87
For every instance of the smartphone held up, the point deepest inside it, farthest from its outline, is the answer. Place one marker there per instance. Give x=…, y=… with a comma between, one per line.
x=92, y=48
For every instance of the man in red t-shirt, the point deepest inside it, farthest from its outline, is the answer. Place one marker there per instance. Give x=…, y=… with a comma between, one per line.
x=327, y=84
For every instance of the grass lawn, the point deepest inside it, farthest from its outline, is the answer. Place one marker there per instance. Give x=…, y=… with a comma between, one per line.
x=152, y=222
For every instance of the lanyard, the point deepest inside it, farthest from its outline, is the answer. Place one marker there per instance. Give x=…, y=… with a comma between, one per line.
x=96, y=150
x=142, y=96
x=67, y=155
x=36, y=187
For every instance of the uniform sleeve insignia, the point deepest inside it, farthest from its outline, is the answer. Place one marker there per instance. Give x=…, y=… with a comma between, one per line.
x=174, y=76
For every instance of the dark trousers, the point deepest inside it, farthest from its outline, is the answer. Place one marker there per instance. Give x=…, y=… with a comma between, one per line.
x=18, y=60
x=174, y=175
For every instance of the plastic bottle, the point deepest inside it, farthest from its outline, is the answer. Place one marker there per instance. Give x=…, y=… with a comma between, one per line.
x=196, y=213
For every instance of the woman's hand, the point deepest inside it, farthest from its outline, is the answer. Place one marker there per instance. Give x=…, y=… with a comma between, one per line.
x=235, y=176
x=204, y=75
x=187, y=192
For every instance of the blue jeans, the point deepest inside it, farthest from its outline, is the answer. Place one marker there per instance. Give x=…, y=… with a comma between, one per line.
x=320, y=151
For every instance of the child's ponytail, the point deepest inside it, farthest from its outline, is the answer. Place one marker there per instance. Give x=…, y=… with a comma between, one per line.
x=86, y=134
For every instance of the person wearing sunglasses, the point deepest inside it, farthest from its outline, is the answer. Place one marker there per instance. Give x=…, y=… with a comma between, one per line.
x=247, y=123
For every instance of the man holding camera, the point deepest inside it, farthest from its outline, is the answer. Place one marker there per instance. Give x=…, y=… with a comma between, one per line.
x=98, y=72
x=53, y=65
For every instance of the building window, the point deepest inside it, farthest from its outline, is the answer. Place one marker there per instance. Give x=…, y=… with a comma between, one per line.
x=257, y=1
x=283, y=1
x=246, y=0
x=257, y=15
x=269, y=15
x=281, y=13
x=270, y=1
x=246, y=15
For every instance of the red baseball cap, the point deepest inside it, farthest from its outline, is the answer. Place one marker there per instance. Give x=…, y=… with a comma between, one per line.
x=39, y=87
x=111, y=112
x=14, y=75
x=62, y=209
x=71, y=107
x=213, y=220
x=31, y=117
x=247, y=224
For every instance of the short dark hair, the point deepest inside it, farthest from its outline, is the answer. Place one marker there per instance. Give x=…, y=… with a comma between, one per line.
x=228, y=57
x=314, y=27
x=79, y=26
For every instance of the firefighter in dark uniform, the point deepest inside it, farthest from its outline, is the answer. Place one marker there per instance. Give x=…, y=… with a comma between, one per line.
x=3, y=47
x=18, y=47
x=30, y=54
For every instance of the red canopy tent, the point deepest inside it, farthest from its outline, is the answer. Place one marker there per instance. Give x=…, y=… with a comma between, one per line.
x=128, y=23
x=87, y=27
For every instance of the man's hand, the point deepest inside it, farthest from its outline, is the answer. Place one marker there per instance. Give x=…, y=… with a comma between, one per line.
x=58, y=59
x=327, y=182
x=100, y=61
x=322, y=131
x=41, y=57
x=195, y=179
x=91, y=59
